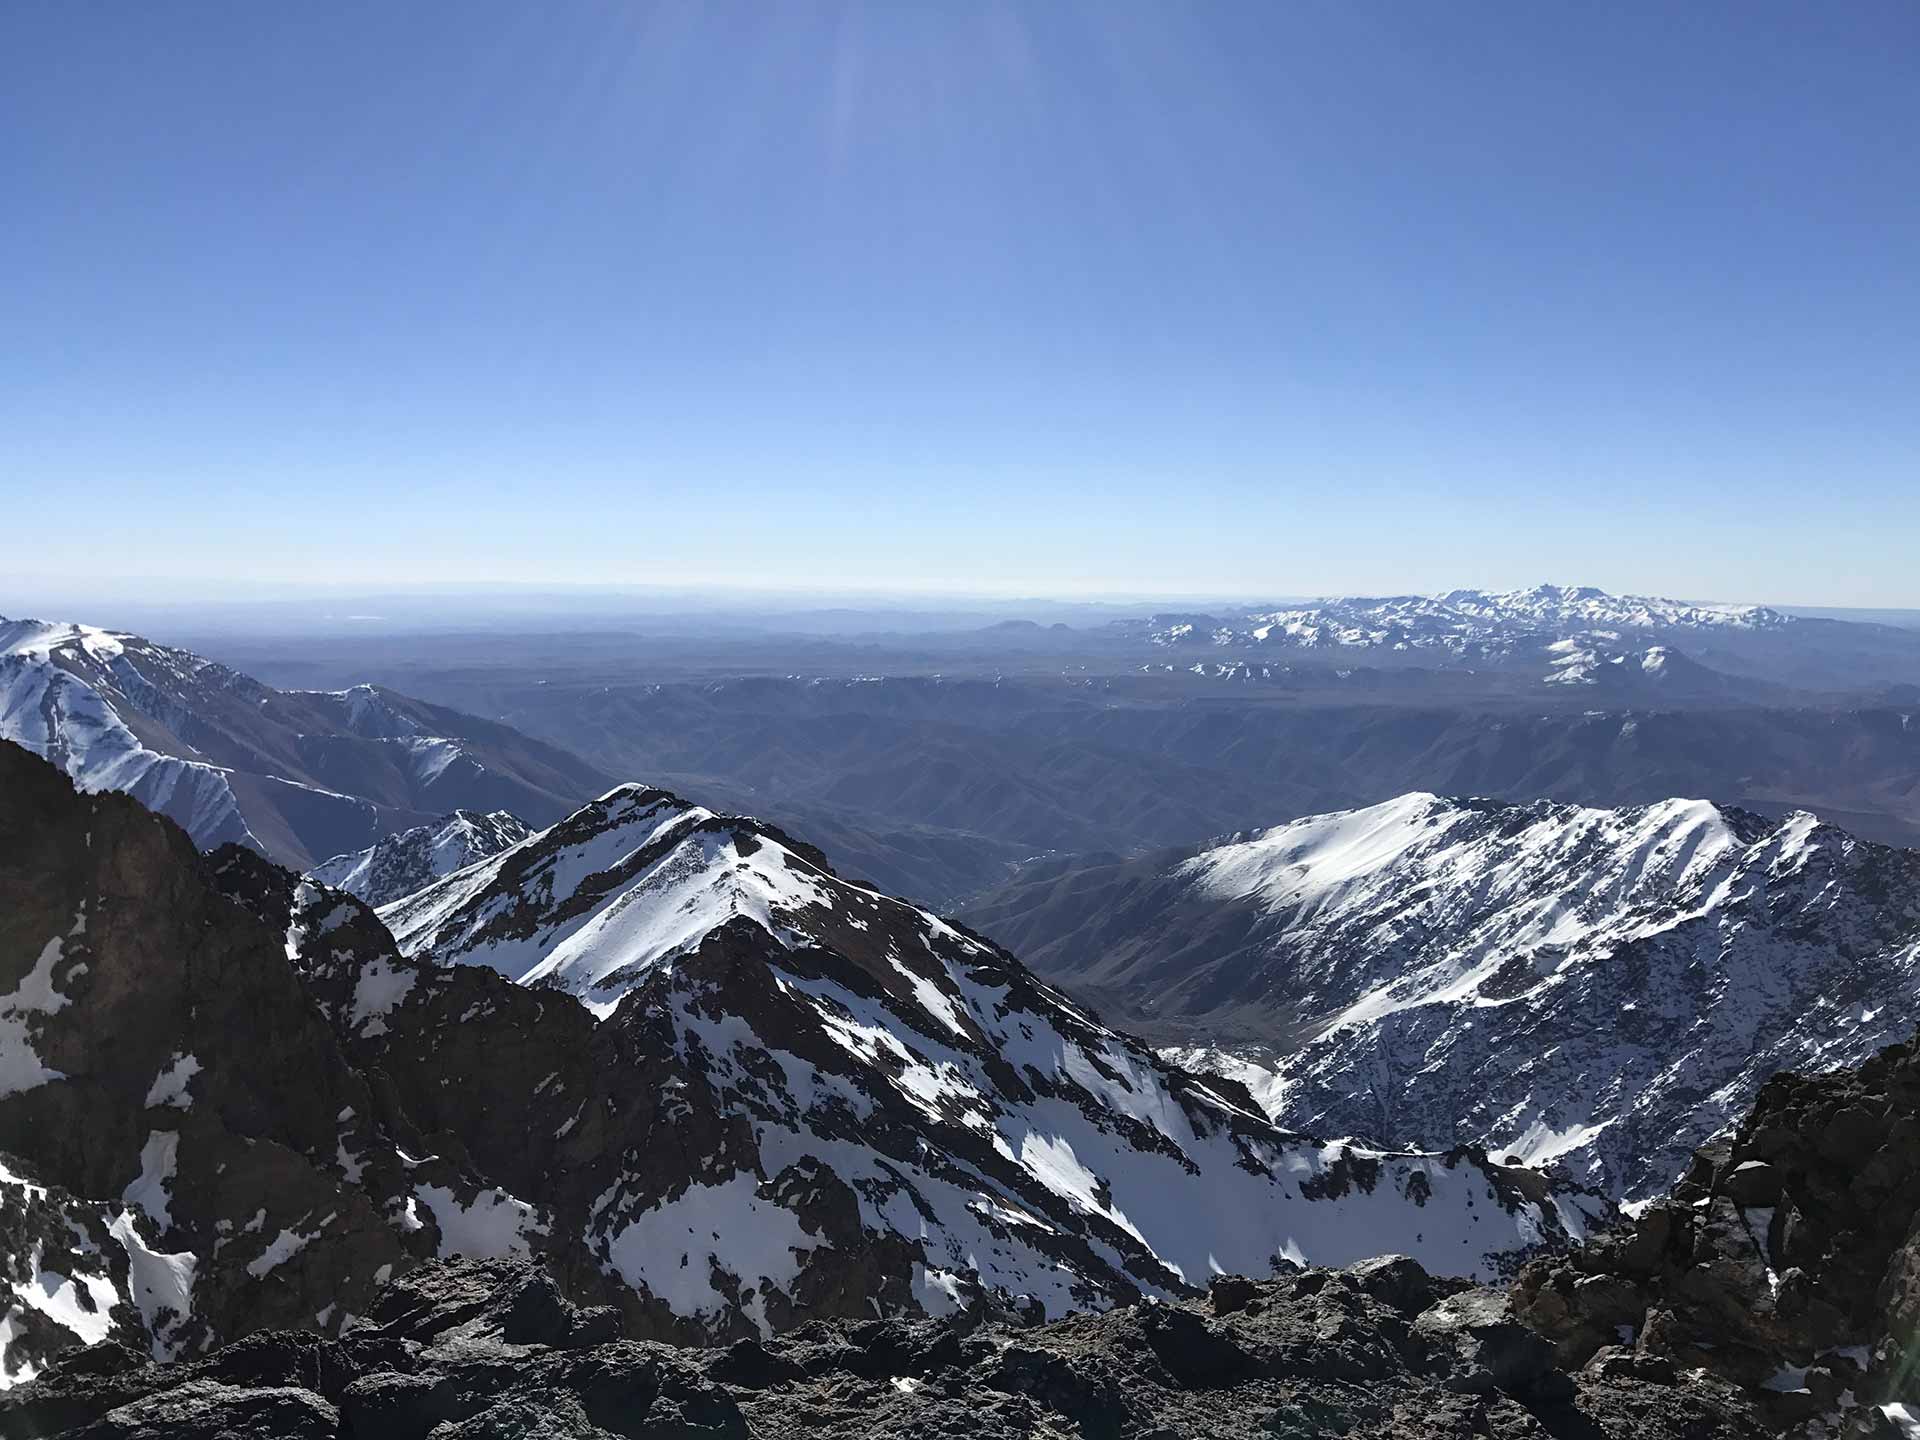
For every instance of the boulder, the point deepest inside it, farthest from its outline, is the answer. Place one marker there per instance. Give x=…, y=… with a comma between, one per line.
x=1752, y=1182
x=1397, y=1281
x=1489, y=1347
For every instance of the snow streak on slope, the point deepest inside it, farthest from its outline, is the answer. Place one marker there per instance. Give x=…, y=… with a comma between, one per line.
x=69, y=1264
x=1599, y=988
x=1328, y=869
x=1586, y=660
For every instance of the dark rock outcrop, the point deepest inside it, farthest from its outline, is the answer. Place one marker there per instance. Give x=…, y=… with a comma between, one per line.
x=469, y=1350
x=1787, y=1260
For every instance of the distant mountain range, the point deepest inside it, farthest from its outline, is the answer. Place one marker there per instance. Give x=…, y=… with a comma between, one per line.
x=1541, y=627
x=1464, y=622
x=299, y=775
x=1602, y=989
x=934, y=768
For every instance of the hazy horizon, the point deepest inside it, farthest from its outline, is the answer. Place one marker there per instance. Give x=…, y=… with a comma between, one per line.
x=266, y=608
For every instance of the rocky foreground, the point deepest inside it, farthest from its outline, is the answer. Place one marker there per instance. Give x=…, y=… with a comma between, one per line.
x=472, y=1349
x=1774, y=1293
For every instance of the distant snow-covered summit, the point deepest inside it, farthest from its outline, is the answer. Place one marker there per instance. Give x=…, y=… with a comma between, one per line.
x=1467, y=622
x=297, y=775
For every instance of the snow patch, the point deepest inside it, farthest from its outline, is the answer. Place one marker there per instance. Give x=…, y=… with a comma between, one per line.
x=672, y=1250
x=159, y=1158
x=169, y=1087
x=492, y=1226
x=20, y=1065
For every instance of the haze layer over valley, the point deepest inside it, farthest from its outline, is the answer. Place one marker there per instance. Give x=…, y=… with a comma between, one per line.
x=934, y=755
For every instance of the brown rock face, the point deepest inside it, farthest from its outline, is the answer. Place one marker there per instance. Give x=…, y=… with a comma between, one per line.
x=167, y=1054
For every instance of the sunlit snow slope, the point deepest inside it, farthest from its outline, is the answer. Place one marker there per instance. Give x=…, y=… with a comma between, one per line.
x=1601, y=988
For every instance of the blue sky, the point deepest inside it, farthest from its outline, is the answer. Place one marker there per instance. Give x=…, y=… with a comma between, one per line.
x=1055, y=298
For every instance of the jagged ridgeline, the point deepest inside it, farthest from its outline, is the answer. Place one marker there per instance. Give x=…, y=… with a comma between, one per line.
x=669, y=1056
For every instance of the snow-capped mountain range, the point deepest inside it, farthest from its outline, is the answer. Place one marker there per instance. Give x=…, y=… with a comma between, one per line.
x=298, y=775
x=1465, y=622
x=670, y=1054
x=1011, y=1093
x=1602, y=989
x=1565, y=636
x=399, y=864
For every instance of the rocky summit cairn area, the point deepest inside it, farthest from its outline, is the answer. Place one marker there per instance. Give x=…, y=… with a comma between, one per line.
x=466, y=1350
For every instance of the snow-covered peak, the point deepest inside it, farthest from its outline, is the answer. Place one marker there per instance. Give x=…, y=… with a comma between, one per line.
x=1013, y=1142
x=41, y=638
x=1595, y=659
x=1584, y=606
x=1603, y=988
x=291, y=773
x=1422, y=857
x=592, y=904
x=104, y=707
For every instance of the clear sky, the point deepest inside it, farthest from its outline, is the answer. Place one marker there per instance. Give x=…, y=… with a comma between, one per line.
x=1061, y=297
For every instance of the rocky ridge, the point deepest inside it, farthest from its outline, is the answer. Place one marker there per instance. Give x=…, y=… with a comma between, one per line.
x=397, y=865
x=1786, y=1260
x=866, y=1112
x=1772, y=1294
